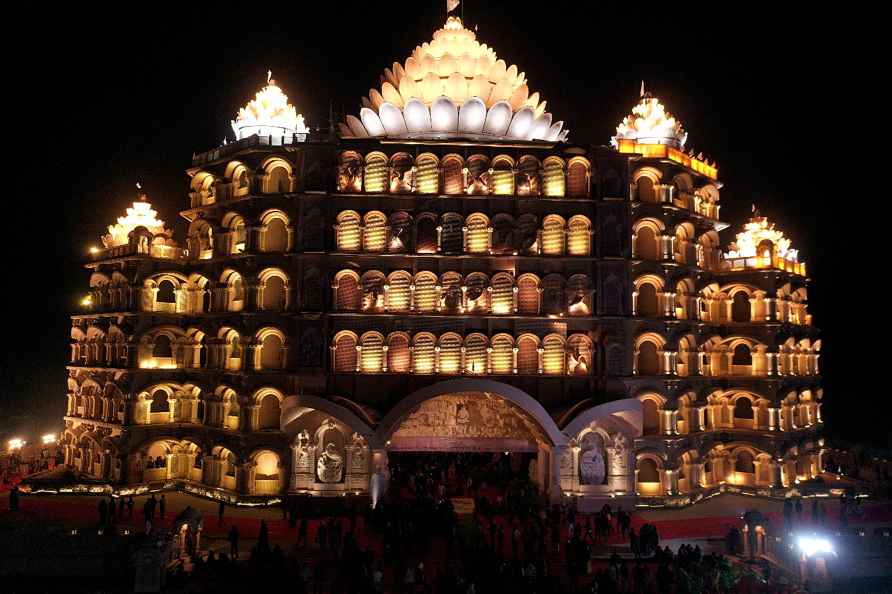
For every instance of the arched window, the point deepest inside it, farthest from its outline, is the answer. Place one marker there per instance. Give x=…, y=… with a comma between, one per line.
x=528, y=354
x=743, y=408
x=745, y=463
x=553, y=235
x=648, y=303
x=504, y=234
x=166, y=292
x=449, y=355
x=740, y=307
x=348, y=232
x=451, y=234
x=527, y=182
x=453, y=178
x=742, y=355
x=553, y=355
x=162, y=347
x=398, y=292
x=375, y=178
x=477, y=239
x=372, y=352
x=349, y=172
x=372, y=291
x=475, y=353
x=553, y=294
x=651, y=417
x=578, y=178
x=425, y=292
x=402, y=177
x=401, y=225
x=579, y=355
x=274, y=293
x=269, y=413
x=646, y=191
x=374, y=234
x=528, y=294
x=648, y=471
x=427, y=174
x=648, y=359
x=479, y=182
x=345, y=353
x=349, y=295
x=477, y=293
x=271, y=352
x=502, y=356
x=160, y=404
x=502, y=294
x=398, y=359
x=423, y=353
x=646, y=245
x=503, y=176
x=276, y=236
x=451, y=294
x=279, y=180
x=553, y=184
x=579, y=234
x=426, y=234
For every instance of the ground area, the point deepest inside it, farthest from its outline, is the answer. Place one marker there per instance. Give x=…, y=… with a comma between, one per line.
x=415, y=547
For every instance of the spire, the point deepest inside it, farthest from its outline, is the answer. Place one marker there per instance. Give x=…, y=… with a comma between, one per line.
x=642, y=88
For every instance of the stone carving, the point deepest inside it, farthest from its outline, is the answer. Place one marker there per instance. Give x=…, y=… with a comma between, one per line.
x=477, y=415
x=303, y=451
x=592, y=470
x=619, y=454
x=330, y=465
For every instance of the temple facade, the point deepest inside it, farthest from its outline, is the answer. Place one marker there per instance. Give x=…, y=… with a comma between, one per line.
x=446, y=271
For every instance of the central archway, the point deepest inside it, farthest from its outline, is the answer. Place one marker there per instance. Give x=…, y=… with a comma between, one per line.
x=469, y=415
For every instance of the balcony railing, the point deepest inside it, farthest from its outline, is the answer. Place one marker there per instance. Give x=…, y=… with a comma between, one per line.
x=764, y=262
x=252, y=141
x=165, y=252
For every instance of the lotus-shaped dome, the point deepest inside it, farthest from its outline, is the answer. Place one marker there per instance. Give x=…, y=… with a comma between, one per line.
x=650, y=123
x=140, y=215
x=268, y=114
x=454, y=86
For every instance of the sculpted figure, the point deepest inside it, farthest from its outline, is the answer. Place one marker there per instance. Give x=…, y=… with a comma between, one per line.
x=330, y=465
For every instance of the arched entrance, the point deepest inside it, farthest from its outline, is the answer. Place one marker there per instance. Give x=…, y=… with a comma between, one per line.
x=465, y=421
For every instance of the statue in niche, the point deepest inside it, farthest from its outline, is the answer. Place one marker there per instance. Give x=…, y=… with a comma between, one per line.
x=303, y=450
x=619, y=454
x=330, y=465
x=592, y=470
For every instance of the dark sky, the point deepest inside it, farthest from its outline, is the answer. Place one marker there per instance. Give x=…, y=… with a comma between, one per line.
x=98, y=100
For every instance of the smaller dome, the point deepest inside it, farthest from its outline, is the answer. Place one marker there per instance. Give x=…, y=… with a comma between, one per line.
x=762, y=245
x=650, y=123
x=268, y=114
x=140, y=215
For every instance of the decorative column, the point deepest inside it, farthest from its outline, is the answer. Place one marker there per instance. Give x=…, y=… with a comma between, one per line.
x=554, y=482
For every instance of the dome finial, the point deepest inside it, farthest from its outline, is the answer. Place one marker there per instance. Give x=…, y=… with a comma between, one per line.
x=269, y=76
x=642, y=88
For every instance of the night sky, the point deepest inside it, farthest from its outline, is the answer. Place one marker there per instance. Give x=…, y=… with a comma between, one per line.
x=99, y=100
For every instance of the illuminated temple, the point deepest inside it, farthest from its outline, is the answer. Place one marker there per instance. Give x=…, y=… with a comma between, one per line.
x=446, y=270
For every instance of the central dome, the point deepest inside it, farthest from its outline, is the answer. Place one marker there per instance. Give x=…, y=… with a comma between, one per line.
x=454, y=86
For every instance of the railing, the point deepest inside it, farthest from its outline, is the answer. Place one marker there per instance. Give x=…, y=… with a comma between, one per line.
x=763, y=262
x=155, y=251
x=249, y=142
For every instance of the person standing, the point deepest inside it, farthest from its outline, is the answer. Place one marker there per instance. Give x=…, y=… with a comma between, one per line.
x=130, y=505
x=798, y=510
x=153, y=503
x=162, y=504
x=14, y=499
x=233, y=542
x=103, y=511
x=220, y=509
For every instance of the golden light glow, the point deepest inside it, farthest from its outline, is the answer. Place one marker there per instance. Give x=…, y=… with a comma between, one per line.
x=650, y=123
x=156, y=363
x=48, y=438
x=93, y=249
x=268, y=114
x=762, y=245
x=87, y=301
x=16, y=443
x=458, y=66
x=140, y=215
